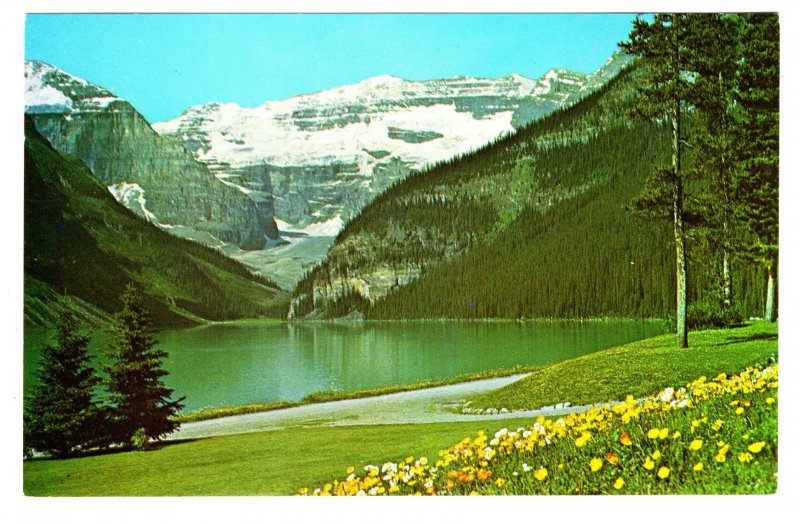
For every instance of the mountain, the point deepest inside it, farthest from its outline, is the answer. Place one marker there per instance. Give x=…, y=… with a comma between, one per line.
x=330, y=153
x=533, y=225
x=82, y=247
x=155, y=177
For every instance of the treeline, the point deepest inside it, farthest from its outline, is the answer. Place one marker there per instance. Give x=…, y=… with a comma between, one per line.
x=81, y=242
x=586, y=257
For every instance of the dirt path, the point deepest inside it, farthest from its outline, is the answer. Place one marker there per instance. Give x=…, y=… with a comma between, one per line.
x=409, y=407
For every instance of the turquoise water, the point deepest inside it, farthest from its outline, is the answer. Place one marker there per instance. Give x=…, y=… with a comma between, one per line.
x=234, y=364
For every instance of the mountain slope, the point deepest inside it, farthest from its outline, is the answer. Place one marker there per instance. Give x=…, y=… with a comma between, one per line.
x=155, y=177
x=328, y=154
x=81, y=243
x=530, y=226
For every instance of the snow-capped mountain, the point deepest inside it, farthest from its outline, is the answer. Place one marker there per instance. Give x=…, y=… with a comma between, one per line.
x=153, y=176
x=51, y=90
x=329, y=153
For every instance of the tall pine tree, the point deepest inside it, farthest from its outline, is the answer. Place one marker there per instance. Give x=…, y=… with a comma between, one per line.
x=660, y=45
x=140, y=400
x=757, y=176
x=713, y=42
x=61, y=415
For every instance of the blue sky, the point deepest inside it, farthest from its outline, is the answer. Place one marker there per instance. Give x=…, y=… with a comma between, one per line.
x=165, y=63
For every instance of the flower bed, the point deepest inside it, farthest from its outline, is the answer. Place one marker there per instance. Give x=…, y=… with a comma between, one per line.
x=712, y=436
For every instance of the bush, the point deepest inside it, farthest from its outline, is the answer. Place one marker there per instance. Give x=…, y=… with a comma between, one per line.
x=139, y=439
x=712, y=315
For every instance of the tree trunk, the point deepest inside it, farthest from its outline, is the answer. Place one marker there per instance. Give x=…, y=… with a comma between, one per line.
x=727, y=281
x=771, y=307
x=680, y=263
x=724, y=177
x=677, y=197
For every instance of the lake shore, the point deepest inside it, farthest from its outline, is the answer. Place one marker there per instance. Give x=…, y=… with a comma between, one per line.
x=428, y=405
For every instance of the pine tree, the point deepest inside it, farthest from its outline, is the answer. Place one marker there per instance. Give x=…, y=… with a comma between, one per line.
x=757, y=188
x=714, y=47
x=661, y=47
x=61, y=415
x=140, y=400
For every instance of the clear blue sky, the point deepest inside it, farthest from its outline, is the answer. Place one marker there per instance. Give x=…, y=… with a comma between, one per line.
x=165, y=63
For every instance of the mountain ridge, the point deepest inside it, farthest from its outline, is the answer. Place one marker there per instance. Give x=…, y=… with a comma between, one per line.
x=82, y=247
x=120, y=147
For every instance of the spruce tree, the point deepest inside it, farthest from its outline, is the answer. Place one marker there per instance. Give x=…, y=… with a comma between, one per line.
x=757, y=176
x=61, y=416
x=660, y=45
x=140, y=400
x=714, y=47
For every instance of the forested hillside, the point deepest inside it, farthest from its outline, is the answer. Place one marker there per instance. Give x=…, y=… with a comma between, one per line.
x=82, y=248
x=533, y=225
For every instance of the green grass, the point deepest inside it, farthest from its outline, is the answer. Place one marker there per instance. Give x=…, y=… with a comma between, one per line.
x=638, y=368
x=330, y=396
x=266, y=463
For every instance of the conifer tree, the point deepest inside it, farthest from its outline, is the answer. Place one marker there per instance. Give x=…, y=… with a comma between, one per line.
x=757, y=176
x=714, y=47
x=61, y=415
x=661, y=47
x=140, y=400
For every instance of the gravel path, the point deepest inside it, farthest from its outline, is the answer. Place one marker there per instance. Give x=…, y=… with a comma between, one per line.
x=419, y=406
x=409, y=407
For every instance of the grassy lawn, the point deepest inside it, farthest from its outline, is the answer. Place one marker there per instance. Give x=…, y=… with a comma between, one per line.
x=266, y=463
x=637, y=369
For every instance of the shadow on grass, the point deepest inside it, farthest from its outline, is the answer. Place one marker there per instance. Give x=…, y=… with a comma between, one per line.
x=749, y=338
x=152, y=447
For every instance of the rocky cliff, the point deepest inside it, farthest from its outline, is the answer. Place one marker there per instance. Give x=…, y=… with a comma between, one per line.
x=153, y=176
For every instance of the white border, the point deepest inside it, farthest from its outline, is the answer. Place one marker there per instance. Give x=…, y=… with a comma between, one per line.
x=16, y=508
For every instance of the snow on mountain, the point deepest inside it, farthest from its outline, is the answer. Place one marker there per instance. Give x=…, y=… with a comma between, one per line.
x=132, y=197
x=48, y=89
x=241, y=136
x=329, y=153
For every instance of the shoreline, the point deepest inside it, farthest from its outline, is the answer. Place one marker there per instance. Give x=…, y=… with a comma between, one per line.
x=420, y=406
x=324, y=397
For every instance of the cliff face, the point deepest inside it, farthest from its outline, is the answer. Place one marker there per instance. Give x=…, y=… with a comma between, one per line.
x=170, y=187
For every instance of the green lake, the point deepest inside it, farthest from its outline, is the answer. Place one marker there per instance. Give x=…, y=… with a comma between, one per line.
x=241, y=363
